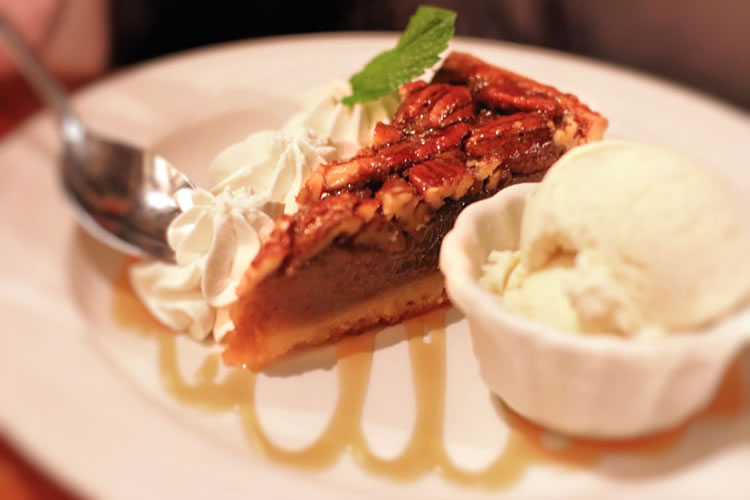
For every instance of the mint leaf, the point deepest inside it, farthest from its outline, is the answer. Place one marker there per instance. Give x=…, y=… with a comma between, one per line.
x=426, y=36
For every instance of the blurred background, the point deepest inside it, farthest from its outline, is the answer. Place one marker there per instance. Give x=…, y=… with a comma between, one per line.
x=697, y=43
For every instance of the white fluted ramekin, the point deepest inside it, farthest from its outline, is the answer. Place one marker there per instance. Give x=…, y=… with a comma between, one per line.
x=594, y=385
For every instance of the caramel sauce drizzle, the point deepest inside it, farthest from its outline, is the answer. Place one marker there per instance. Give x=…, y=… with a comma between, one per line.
x=425, y=451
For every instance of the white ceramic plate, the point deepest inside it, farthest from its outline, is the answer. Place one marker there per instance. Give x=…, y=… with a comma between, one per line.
x=82, y=393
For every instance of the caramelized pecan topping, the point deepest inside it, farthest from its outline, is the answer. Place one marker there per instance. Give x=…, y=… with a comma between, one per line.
x=397, y=197
x=390, y=159
x=384, y=134
x=473, y=130
x=434, y=106
x=438, y=180
x=510, y=98
x=518, y=142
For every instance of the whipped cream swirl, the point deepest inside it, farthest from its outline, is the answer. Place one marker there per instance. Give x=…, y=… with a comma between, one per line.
x=349, y=128
x=214, y=242
x=254, y=182
x=272, y=162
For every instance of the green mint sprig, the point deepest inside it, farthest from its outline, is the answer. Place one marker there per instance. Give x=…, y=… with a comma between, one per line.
x=425, y=38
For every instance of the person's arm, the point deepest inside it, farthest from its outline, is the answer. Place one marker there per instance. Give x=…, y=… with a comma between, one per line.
x=71, y=36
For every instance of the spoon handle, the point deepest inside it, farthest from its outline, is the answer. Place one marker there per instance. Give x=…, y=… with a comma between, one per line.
x=42, y=80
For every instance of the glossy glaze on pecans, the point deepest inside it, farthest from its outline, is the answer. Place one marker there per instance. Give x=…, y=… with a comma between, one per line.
x=473, y=130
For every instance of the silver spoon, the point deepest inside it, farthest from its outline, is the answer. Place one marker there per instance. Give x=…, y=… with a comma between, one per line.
x=122, y=195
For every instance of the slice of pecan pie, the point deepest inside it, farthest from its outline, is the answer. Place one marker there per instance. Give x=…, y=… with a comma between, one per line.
x=362, y=251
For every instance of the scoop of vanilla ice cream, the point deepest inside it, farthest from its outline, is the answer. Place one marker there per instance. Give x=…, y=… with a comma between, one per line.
x=214, y=242
x=349, y=128
x=626, y=238
x=273, y=162
x=540, y=295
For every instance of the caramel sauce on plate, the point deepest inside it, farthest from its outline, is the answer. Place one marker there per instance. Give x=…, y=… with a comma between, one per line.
x=425, y=451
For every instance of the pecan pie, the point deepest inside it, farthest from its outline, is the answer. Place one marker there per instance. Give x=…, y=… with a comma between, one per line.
x=362, y=251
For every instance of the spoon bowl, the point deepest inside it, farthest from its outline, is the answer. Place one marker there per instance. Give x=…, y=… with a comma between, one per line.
x=122, y=195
